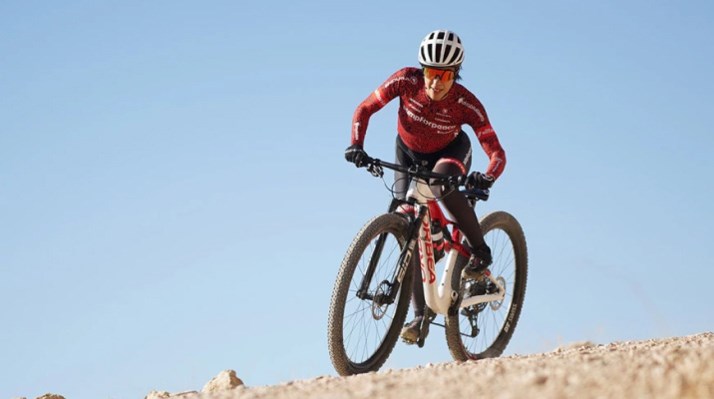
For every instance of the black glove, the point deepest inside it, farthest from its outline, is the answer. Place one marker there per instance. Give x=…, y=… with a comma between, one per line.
x=479, y=180
x=356, y=155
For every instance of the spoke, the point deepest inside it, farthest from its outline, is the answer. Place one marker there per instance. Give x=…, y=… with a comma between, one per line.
x=362, y=333
x=490, y=322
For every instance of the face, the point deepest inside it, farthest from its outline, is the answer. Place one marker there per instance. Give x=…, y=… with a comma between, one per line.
x=438, y=82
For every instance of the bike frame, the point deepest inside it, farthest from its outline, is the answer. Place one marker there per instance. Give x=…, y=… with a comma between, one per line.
x=441, y=297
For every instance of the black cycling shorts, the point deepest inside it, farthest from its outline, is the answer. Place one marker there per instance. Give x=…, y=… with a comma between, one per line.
x=458, y=153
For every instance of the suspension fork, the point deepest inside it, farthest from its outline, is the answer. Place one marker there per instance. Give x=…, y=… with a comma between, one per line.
x=362, y=293
x=404, y=257
x=410, y=249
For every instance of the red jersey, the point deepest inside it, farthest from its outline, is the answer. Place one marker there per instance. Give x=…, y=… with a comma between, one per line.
x=427, y=126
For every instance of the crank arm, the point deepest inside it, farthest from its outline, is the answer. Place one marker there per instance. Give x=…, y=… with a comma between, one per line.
x=498, y=296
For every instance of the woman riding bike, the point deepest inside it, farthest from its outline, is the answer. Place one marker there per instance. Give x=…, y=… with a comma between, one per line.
x=432, y=110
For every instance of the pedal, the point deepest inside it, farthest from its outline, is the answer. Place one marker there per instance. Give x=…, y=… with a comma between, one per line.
x=409, y=336
x=408, y=341
x=416, y=336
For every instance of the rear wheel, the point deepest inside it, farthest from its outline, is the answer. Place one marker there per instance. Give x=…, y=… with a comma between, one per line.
x=483, y=330
x=363, y=331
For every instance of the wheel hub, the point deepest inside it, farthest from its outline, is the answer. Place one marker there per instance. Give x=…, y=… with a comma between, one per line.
x=381, y=300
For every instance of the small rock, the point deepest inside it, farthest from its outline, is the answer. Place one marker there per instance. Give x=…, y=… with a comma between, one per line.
x=224, y=381
x=158, y=395
x=51, y=396
x=539, y=379
x=575, y=346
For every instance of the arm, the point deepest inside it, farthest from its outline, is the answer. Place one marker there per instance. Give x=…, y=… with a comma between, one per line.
x=396, y=84
x=492, y=147
x=360, y=120
x=478, y=120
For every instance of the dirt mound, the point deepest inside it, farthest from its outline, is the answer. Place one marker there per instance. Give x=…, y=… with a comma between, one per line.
x=665, y=368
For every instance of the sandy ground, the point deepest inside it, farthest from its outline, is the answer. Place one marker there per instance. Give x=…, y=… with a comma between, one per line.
x=679, y=368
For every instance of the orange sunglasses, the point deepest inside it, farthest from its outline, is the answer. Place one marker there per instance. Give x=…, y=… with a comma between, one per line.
x=442, y=74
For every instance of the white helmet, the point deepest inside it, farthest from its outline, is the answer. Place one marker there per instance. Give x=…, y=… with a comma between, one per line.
x=441, y=49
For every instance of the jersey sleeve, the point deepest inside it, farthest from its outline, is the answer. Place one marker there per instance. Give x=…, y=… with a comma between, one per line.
x=401, y=81
x=478, y=120
x=490, y=144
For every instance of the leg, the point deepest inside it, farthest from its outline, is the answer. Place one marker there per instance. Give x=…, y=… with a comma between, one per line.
x=459, y=207
x=401, y=180
x=462, y=212
x=410, y=332
x=455, y=159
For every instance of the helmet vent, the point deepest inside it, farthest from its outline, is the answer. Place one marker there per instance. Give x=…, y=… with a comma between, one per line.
x=455, y=56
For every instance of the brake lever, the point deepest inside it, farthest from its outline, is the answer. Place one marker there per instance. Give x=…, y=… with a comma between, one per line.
x=375, y=169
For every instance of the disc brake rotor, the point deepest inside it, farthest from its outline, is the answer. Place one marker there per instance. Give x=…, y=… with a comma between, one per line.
x=495, y=305
x=380, y=303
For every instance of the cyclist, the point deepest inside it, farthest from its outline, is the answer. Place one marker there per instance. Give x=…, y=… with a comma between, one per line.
x=432, y=110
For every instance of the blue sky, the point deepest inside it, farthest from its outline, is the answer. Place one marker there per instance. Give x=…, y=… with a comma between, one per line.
x=174, y=199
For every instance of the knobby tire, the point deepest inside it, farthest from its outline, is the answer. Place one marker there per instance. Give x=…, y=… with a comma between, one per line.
x=349, y=361
x=463, y=347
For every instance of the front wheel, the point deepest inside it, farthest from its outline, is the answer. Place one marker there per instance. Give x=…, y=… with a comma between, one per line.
x=363, y=325
x=483, y=330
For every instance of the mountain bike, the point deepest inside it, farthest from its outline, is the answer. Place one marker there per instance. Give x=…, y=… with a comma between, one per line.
x=372, y=291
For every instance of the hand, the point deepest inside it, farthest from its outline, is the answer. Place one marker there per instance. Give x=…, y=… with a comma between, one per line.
x=480, y=180
x=356, y=155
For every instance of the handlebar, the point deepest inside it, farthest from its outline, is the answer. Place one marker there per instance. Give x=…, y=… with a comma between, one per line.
x=376, y=167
